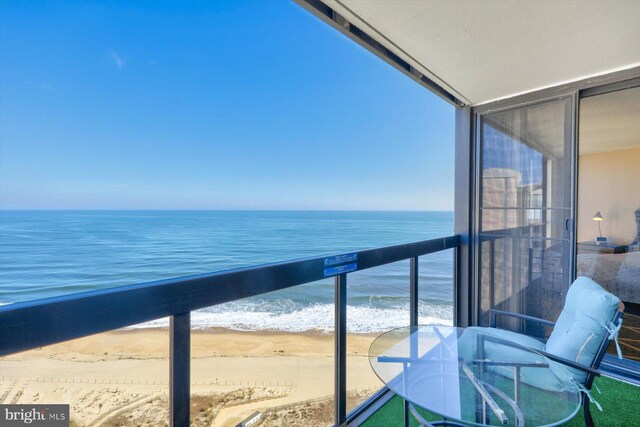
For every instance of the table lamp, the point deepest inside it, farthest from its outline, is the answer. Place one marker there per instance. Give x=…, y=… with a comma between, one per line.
x=598, y=218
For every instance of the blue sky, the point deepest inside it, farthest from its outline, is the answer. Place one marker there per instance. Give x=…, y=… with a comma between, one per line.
x=209, y=105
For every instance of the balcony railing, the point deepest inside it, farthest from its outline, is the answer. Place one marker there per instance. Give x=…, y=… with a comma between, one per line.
x=33, y=324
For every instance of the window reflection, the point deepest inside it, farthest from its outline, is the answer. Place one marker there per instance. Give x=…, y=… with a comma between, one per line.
x=524, y=203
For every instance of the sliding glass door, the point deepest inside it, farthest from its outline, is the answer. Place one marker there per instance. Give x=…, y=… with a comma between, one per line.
x=525, y=215
x=608, y=214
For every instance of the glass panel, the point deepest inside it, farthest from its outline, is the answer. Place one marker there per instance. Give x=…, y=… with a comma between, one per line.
x=435, y=289
x=525, y=200
x=377, y=300
x=608, y=219
x=271, y=354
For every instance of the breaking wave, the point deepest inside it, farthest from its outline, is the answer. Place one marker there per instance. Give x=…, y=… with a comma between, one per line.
x=362, y=319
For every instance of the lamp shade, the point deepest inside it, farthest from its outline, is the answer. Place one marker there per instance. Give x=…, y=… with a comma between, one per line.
x=598, y=216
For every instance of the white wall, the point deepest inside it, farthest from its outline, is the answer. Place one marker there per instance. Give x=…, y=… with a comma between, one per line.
x=610, y=183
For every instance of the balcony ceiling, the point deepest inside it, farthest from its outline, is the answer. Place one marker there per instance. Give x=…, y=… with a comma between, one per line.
x=482, y=51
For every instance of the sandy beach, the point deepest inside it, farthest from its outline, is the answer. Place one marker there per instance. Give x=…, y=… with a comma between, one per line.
x=121, y=377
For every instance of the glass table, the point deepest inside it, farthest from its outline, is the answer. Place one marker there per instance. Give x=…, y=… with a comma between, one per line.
x=473, y=376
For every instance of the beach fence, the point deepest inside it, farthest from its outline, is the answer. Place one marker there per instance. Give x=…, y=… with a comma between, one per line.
x=111, y=381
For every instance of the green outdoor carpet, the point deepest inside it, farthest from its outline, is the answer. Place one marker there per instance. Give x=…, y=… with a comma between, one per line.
x=620, y=402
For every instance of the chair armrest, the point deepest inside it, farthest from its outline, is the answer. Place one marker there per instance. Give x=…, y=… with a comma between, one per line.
x=570, y=363
x=505, y=363
x=493, y=314
x=558, y=359
x=414, y=360
x=482, y=338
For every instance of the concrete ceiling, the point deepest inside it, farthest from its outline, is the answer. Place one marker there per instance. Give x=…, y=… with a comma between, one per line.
x=610, y=122
x=482, y=51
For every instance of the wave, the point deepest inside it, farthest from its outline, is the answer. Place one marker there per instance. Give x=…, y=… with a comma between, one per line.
x=361, y=319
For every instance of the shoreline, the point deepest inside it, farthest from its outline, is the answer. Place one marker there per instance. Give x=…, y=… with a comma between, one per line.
x=154, y=342
x=125, y=373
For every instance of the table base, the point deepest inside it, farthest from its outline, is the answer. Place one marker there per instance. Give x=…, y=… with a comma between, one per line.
x=519, y=421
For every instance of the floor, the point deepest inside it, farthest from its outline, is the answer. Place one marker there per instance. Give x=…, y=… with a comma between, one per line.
x=620, y=402
x=629, y=337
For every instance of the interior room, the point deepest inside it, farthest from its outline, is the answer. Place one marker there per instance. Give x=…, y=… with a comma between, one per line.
x=608, y=216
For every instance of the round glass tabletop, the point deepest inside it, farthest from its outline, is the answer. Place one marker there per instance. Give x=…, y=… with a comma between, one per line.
x=475, y=376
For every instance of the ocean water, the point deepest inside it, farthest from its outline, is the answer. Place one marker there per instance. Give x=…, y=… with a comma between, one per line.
x=50, y=253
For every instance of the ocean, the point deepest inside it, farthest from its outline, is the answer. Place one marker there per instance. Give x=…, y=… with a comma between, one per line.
x=51, y=253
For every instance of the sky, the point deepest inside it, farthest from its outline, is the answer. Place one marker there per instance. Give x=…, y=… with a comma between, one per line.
x=209, y=105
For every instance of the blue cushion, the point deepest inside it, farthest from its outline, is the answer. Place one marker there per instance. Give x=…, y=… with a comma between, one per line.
x=580, y=327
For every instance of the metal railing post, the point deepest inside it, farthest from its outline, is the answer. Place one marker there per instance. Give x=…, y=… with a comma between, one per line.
x=456, y=286
x=413, y=292
x=179, y=369
x=413, y=317
x=340, y=381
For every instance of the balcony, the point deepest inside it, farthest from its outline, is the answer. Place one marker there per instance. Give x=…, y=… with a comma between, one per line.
x=518, y=114
x=31, y=325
